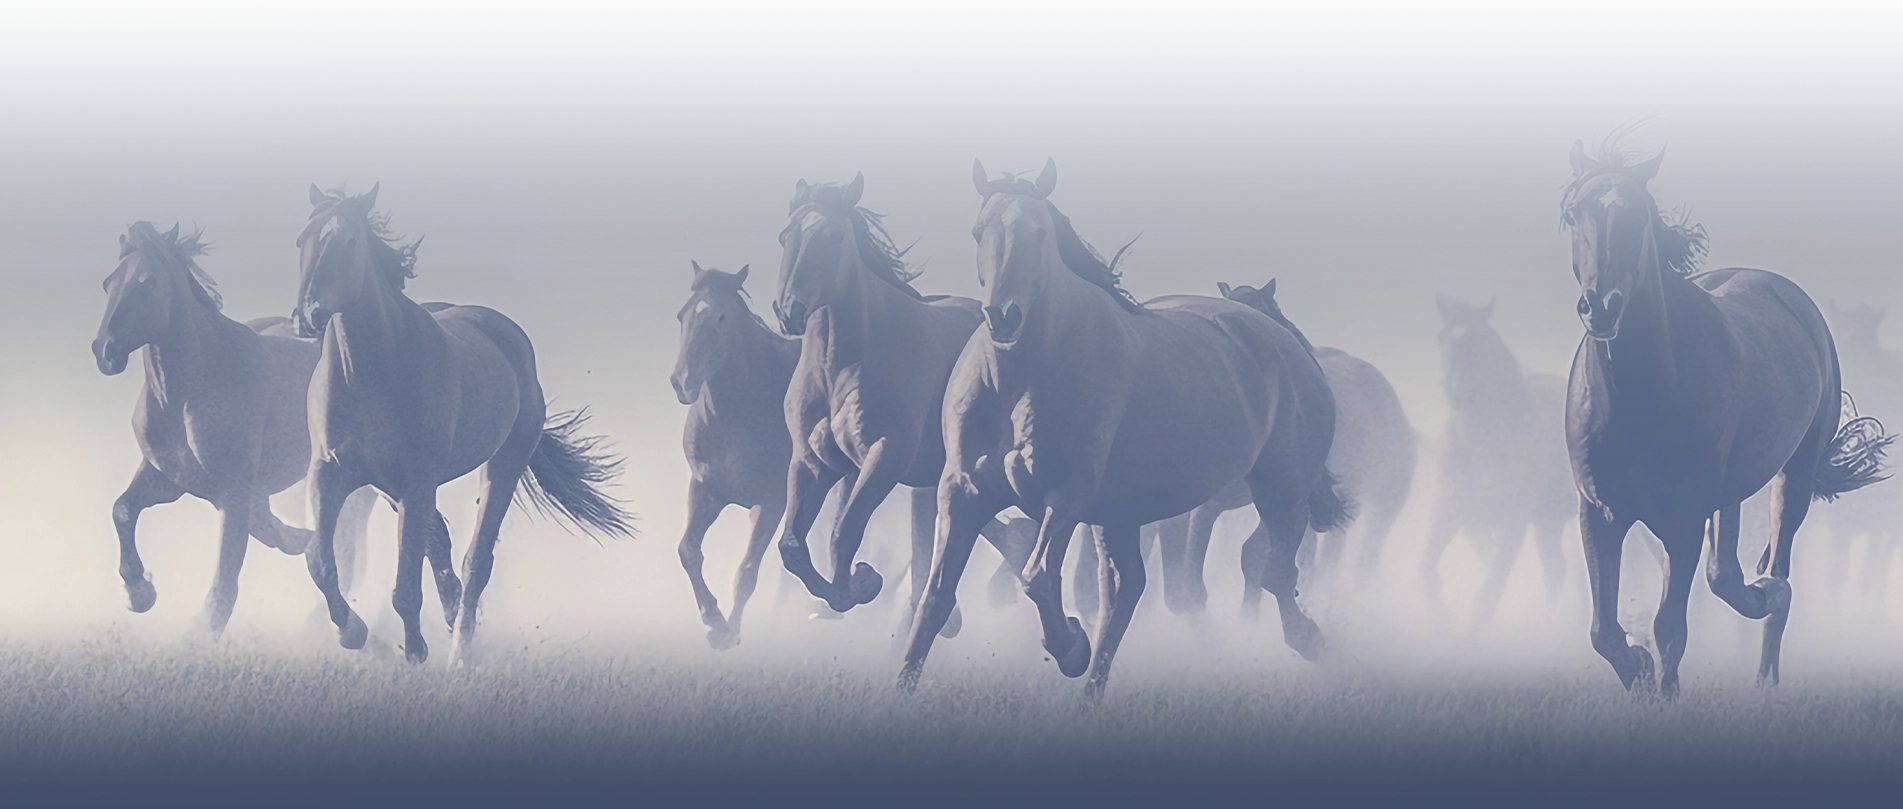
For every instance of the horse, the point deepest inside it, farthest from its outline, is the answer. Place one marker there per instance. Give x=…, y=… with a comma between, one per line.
x=864, y=402
x=407, y=397
x=1502, y=465
x=1372, y=456
x=1078, y=404
x=1690, y=391
x=732, y=373
x=220, y=416
x=1877, y=374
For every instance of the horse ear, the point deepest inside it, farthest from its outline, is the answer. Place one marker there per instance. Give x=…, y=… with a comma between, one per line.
x=370, y=198
x=1582, y=165
x=317, y=195
x=172, y=235
x=1269, y=288
x=855, y=190
x=741, y=276
x=979, y=179
x=1047, y=179
x=1644, y=172
x=1223, y=288
x=1486, y=312
x=697, y=269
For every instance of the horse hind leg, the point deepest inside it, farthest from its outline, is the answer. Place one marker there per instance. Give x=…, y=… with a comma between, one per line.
x=149, y=487
x=924, y=517
x=1013, y=540
x=500, y=476
x=1286, y=520
x=1255, y=558
x=1121, y=581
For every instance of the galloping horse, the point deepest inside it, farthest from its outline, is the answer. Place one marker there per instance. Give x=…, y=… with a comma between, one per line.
x=865, y=398
x=1502, y=467
x=1689, y=392
x=732, y=372
x=221, y=415
x=406, y=398
x=1077, y=404
x=1372, y=456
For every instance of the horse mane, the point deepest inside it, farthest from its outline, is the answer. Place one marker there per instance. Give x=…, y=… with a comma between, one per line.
x=1682, y=244
x=719, y=282
x=182, y=248
x=1088, y=264
x=397, y=260
x=876, y=248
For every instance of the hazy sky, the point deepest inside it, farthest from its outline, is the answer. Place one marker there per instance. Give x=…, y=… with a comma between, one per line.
x=567, y=160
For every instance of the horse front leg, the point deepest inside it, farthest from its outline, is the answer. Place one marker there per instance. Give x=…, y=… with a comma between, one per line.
x=1287, y=525
x=1604, y=540
x=273, y=532
x=766, y=519
x=1682, y=545
x=417, y=520
x=1013, y=539
x=1043, y=578
x=961, y=514
x=702, y=511
x=807, y=482
x=924, y=517
x=330, y=486
x=149, y=487
x=1120, y=584
x=1790, y=502
x=234, y=534
x=858, y=583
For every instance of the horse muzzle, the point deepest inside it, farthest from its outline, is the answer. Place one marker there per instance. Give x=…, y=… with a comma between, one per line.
x=111, y=360
x=684, y=392
x=792, y=317
x=1005, y=322
x=1601, y=313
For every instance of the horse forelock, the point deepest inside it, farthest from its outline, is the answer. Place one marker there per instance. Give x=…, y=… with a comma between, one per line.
x=182, y=250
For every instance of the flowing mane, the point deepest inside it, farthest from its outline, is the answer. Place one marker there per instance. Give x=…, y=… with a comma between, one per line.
x=1682, y=243
x=876, y=248
x=1077, y=254
x=396, y=260
x=181, y=249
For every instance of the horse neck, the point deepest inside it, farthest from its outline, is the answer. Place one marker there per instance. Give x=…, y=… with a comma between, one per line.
x=1070, y=311
x=380, y=315
x=862, y=311
x=1493, y=389
x=758, y=359
x=1643, y=357
x=187, y=353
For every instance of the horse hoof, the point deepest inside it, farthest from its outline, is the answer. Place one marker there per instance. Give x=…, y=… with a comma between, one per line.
x=865, y=585
x=416, y=651
x=142, y=595
x=1303, y=635
x=908, y=678
x=354, y=633
x=1075, y=660
x=723, y=637
x=1777, y=594
x=952, y=625
x=1644, y=679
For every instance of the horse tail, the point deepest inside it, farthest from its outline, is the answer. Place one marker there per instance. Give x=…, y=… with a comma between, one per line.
x=1327, y=509
x=1855, y=456
x=566, y=473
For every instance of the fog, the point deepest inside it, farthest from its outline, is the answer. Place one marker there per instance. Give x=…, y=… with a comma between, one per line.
x=566, y=164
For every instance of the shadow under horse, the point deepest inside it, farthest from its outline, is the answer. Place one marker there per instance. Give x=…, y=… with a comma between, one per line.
x=1689, y=392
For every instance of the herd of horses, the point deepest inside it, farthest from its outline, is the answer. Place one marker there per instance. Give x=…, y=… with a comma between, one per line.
x=1056, y=404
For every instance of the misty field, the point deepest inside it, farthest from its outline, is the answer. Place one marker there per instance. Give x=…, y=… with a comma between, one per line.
x=121, y=712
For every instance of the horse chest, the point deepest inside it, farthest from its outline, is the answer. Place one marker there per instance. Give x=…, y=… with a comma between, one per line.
x=203, y=448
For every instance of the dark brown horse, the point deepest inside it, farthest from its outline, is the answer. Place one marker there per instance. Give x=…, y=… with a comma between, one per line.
x=1077, y=405
x=732, y=372
x=1690, y=392
x=865, y=398
x=221, y=415
x=407, y=398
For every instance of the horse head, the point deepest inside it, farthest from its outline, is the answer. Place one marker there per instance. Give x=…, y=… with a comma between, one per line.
x=155, y=277
x=1615, y=247
x=709, y=322
x=344, y=255
x=816, y=248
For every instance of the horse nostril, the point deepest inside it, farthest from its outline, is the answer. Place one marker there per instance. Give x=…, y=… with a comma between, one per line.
x=1003, y=321
x=1584, y=307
